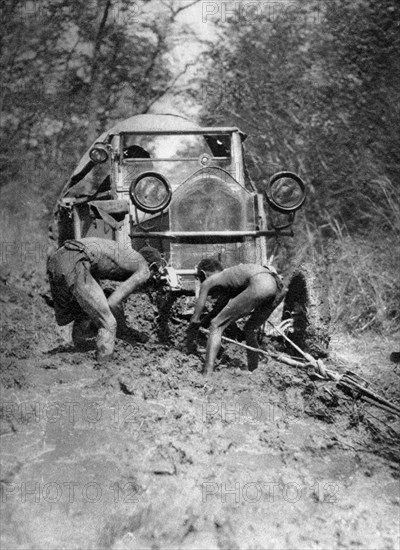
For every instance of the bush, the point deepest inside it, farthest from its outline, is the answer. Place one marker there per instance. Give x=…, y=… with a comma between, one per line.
x=364, y=284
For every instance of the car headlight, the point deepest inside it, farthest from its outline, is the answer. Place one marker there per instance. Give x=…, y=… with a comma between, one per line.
x=286, y=192
x=98, y=153
x=150, y=192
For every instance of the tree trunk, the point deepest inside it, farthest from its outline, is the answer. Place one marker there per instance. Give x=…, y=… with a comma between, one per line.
x=94, y=101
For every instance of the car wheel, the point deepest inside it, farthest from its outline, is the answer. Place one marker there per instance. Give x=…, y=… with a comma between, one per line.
x=306, y=304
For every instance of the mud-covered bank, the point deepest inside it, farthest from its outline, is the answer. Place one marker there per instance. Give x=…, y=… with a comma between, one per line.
x=147, y=453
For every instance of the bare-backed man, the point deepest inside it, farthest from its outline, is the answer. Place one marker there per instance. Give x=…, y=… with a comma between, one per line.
x=74, y=271
x=249, y=289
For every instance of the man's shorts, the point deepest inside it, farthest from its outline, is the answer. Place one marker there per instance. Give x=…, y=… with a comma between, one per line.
x=69, y=265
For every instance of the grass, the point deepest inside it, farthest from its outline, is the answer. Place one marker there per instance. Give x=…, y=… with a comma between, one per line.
x=363, y=275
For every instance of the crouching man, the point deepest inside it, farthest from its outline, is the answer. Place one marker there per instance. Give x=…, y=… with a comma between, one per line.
x=74, y=271
x=249, y=289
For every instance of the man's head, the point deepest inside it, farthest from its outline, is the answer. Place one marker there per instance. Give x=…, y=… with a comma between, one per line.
x=152, y=257
x=208, y=267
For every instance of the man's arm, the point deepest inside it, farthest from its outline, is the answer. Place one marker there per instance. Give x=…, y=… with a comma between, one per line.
x=206, y=286
x=218, y=307
x=127, y=287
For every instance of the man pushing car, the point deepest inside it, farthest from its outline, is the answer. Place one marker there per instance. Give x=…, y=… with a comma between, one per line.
x=74, y=271
x=249, y=289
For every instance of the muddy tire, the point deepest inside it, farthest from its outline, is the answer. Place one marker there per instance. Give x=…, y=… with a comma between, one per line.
x=306, y=302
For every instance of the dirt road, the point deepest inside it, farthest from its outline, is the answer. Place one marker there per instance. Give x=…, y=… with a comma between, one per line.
x=147, y=454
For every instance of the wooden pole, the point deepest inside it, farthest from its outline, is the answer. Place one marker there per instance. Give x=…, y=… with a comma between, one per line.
x=306, y=356
x=342, y=380
x=280, y=356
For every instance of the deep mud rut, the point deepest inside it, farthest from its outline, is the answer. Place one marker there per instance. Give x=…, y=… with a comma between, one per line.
x=147, y=454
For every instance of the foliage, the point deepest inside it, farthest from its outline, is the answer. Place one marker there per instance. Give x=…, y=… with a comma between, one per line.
x=69, y=70
x=318, y=89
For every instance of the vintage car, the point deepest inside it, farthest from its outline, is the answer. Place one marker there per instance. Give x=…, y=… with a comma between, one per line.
x=165, y=182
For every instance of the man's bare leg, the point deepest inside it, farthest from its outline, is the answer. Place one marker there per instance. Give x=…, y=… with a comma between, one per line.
x=93, y=302
x=238, y=307
x=258, y=318
x=213, y=346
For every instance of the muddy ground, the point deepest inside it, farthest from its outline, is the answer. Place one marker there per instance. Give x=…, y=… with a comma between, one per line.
x=145, y=453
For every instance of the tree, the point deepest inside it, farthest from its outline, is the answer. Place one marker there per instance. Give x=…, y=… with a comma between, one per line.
x=69, y=70
x=319, y=89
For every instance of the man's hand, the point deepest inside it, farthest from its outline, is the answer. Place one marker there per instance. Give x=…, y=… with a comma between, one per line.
x=191, y=336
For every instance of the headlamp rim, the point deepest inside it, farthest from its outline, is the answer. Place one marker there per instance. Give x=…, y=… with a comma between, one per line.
x=139, y=204
x=275, y=205
x=99, y=146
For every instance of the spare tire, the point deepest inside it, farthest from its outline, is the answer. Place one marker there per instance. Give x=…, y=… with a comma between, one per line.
x=306, y=302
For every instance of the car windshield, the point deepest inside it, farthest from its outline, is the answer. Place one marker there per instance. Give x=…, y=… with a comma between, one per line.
x=175, y=156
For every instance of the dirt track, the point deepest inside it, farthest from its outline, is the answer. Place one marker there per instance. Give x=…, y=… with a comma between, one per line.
x=146, y=453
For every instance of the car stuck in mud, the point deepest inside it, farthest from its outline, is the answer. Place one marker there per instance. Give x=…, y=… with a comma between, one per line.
x=146, y=453
x=164, y=183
